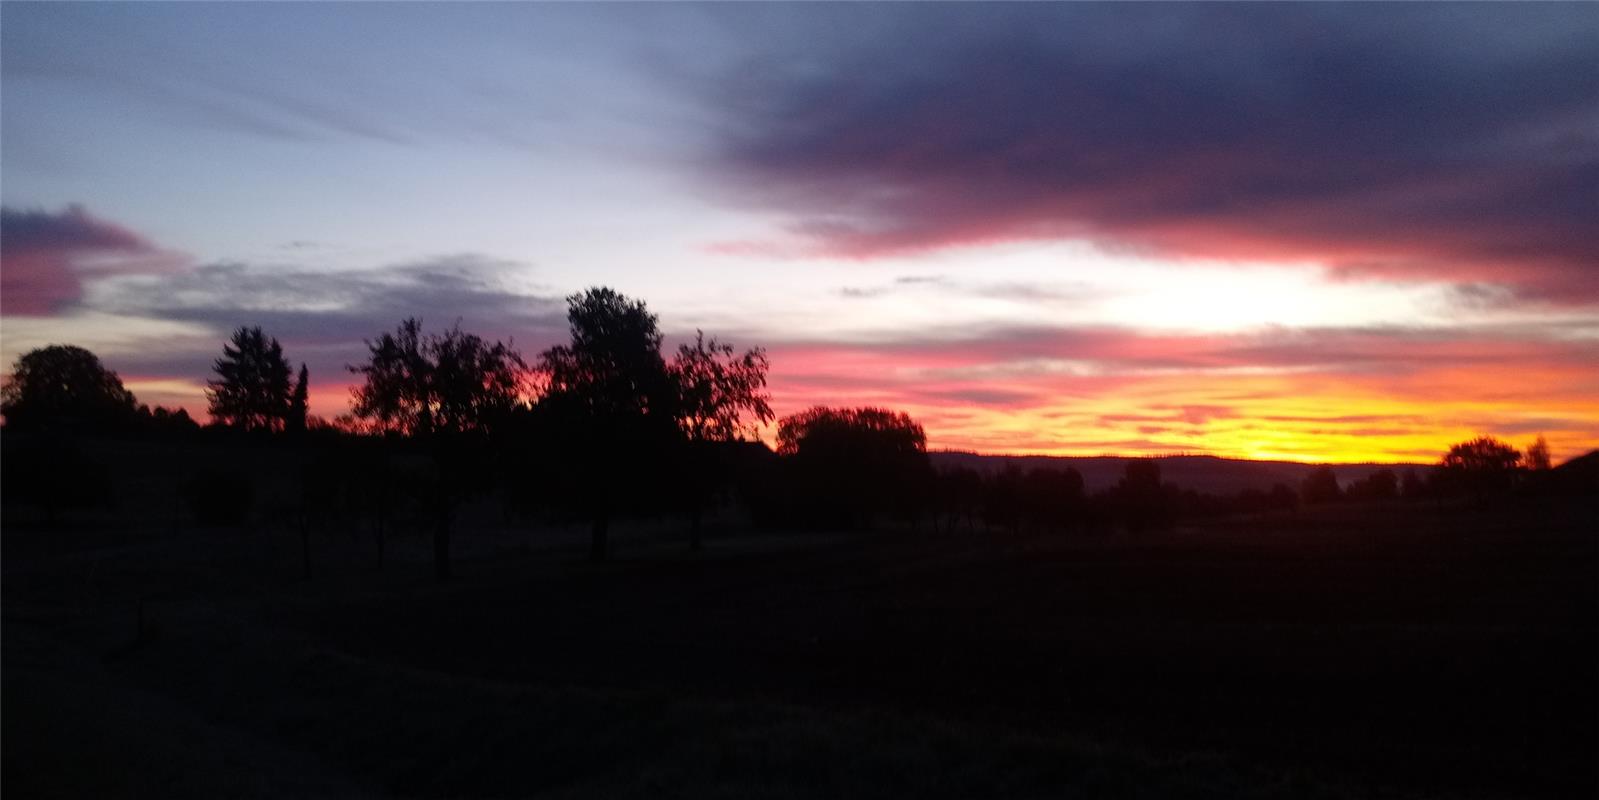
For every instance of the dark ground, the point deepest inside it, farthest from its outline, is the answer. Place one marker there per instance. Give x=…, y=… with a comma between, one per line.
x=1398, y=651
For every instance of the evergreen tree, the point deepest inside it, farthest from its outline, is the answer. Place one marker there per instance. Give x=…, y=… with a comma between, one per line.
x=299, y=401
x=251, y=390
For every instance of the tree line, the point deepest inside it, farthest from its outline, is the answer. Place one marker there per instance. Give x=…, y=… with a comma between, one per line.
x=608, y=425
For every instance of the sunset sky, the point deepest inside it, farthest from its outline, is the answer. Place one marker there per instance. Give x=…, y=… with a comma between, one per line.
x=1313, y=232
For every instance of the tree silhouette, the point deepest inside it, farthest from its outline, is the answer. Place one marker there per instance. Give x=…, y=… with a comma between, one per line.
x=721, y=396
x=855, y=462
x=165, y=420
x=1320, y=486
x=718, y=387
x=251, y=390
x=1145, y=503
x=454, y=382
x=609, y=388
x=958, y=493
x=66, y=388
x=1537, y=458
x=299, y=401
x=1481, y=467
x=1380, y=485
x=450, y=391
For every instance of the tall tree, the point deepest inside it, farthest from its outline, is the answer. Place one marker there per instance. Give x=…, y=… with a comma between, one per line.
x=449, y=390
x=64, y=387
x=721, y=396
x=251, y=390
x=299, y=401
x=607, y=389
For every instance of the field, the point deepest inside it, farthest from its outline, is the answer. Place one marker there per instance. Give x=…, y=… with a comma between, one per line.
x=1392, y=651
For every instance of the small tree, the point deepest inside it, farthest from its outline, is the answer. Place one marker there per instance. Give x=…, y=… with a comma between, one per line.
x=1321, y=486
x=251, y=390
x=721, y=396
x=722, y=393
x=1380, y=485
x=299, y=402
x=62, y=387
x=1144, y=501
x=1537, y=459
x=1412, y=486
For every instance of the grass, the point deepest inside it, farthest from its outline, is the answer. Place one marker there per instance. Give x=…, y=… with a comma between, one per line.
x=1401, y=651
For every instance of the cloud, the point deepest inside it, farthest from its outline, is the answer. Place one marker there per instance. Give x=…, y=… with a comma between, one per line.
x=322, y=317
x=1388, y=142
x=48, y=255
x=1367, y=393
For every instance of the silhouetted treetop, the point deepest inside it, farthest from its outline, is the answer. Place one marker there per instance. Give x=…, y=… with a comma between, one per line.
x=852, y=464
x=251, y=390
x=845, y=429
x=717, y=387
x=299, y=401
x=613, y=366
x=64, y=386
x=1482, y=454
x=1537, y=458
x=453, y=382
x=1481, y=467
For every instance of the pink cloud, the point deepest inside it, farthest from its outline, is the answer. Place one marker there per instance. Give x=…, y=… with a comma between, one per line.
x=45, y=257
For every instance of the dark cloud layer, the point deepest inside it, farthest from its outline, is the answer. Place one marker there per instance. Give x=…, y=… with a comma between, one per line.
x=45, y=255
x=1394, y=141
x=322, y=317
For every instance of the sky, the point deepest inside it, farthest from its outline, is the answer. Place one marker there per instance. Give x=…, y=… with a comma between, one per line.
x=1318, y=232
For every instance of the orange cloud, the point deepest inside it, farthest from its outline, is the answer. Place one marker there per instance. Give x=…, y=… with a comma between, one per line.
x=1305, y=395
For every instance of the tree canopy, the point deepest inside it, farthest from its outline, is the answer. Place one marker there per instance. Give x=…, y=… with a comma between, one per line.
x=1537, y=458
x=450, y=382
x=63, y=386
x=859, y=460
x=251, y=390
x=612, y=369
x=718, y=387
x=1482, y=466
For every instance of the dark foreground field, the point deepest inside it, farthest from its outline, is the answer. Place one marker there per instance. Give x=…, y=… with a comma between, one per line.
x=1392, y=652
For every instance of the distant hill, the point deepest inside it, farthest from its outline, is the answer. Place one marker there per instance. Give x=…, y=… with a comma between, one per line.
x=1208, y=474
